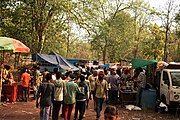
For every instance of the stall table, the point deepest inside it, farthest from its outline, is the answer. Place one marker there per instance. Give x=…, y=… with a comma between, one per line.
x=11, y=91
x=128, y=97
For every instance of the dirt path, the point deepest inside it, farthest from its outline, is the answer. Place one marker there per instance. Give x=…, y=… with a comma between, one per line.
x=27, y=111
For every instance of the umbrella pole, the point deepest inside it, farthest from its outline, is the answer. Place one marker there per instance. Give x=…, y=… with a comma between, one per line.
x=15, y=60
x=18, y=58
x=3, y=55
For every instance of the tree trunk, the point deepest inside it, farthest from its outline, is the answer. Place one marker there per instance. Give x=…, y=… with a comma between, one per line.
x=167, y=27
x=33, y=40
x=155, y=55
x=104, y=55
x=178, y=52
x=68, y=47
x=40, y=41
x=136, y=51
x=165, y=44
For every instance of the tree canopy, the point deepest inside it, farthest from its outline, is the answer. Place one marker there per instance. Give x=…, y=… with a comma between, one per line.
x=107, y=30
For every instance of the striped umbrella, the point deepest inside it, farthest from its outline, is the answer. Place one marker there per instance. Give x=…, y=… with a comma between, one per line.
x=10, y=44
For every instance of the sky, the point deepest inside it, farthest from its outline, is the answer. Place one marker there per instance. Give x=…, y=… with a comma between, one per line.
x=159, y=4
x=156, y=3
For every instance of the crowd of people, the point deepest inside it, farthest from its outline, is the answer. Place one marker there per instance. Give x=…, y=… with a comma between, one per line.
x=73, y=90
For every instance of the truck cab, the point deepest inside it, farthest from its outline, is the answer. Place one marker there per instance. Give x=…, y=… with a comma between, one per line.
x=170, y=85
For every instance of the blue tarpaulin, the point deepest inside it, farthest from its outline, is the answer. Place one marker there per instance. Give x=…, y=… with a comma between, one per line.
x=76, y=61
x=55, y=60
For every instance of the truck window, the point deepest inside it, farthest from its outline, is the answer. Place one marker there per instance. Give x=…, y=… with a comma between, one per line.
x=175, y=78
x=166, y=78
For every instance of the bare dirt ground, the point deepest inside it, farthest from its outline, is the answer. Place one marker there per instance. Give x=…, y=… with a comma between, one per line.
x=27, y=111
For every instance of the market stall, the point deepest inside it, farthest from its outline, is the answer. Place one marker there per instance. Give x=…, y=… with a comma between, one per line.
x=10, y=85
x=128, y=97
x=14, y=46
x=129, y=86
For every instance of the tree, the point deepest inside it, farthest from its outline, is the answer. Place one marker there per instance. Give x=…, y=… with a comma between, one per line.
x=143, y=14
x=30, y=18
x=111, y=30
x=152, y=46
x=15, y=20
x=107, y=12
x=167, y=19
x=120, y=37
x=177, y=19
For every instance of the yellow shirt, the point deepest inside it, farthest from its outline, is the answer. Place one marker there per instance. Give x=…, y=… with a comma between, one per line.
x=92, y=81
x=101, y=88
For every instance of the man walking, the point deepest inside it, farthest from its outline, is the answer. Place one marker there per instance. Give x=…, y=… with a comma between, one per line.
x=37, y=79
x=46, y=95
x=81, y=98
x=92, y=79
x=101, y=88
x=70, y=97
x=58, y=95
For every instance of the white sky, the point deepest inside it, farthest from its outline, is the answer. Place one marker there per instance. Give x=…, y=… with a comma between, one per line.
x=159, y=4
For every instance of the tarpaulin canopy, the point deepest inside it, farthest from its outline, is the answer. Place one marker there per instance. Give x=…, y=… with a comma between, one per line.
x=54, y=59
x=75, y=61
x=10, y=44
x=61, y=60
x=136, y=63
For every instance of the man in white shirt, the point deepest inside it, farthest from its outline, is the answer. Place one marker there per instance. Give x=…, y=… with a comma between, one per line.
x=141, y=79
x=58, y=95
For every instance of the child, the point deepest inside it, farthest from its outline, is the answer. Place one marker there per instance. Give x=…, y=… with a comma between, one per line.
x=111, y=113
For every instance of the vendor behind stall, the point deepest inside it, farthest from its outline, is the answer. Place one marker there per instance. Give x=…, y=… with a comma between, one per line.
x=7, y=75
x=125, y=80
x=113, y=81
x=7, y=79
x=126, y=75
x=141, y=83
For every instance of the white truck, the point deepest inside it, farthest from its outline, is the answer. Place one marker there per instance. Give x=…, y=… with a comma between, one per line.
x=170, y=85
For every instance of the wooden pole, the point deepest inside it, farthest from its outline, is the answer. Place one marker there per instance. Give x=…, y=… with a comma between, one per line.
x=3, y=56
x=15, y=60
x=19, y=54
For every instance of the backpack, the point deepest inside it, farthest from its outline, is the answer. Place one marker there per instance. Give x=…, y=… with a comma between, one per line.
x=83, y=91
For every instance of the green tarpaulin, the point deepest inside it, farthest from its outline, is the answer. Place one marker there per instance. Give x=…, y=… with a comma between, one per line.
x=141, y=63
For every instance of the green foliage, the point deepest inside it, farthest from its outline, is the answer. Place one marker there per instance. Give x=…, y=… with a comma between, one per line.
x=118, y=37
x=177, y=53
x=111, y=29
x=152, y=46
